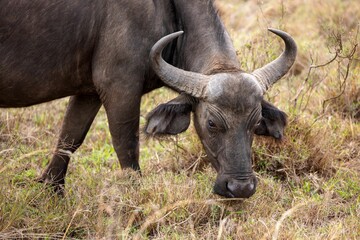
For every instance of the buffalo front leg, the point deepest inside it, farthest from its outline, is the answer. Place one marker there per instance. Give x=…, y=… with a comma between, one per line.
x=123, y=111
x=80, y=113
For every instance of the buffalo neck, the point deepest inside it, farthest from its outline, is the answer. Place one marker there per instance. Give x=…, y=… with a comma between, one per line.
x=206, y=46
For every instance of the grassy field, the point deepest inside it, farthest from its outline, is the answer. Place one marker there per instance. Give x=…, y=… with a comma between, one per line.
x=309, y=184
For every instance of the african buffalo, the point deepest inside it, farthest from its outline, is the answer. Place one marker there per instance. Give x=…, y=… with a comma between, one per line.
x=97, y=52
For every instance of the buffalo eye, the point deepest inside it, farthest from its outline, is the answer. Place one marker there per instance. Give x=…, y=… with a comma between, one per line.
x=211, y=124
x=258, y=123
x=259, y=126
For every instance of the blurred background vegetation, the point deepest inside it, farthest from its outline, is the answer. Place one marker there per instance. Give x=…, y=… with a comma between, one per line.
x=308, y=183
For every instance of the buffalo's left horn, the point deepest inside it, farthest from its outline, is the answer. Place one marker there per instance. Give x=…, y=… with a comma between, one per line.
x=275, y=70
x=191, y=83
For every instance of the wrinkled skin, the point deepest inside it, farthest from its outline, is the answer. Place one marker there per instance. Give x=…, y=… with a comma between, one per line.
x=98, y=53
x=219, y=121
x=173, y=117
x=227, y=133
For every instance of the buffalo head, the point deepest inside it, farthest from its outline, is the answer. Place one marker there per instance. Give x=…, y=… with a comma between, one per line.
x=227, y=111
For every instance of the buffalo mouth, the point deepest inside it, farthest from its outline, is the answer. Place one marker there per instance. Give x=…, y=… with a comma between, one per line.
x=240, y=187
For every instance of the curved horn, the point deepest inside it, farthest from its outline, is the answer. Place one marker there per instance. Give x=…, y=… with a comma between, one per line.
x=275, y=70
x=183, y=81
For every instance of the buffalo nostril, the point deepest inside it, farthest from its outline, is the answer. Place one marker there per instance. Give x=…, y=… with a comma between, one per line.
x=241, y=189
x=232, y=186
x=250, y=187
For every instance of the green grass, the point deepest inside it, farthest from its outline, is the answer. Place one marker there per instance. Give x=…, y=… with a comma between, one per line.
x=308, y=183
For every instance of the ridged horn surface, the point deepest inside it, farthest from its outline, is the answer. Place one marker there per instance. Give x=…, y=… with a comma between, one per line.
x=191, y=83
x=270, y=73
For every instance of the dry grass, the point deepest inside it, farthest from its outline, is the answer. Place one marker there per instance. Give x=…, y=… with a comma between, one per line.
x=309, y=183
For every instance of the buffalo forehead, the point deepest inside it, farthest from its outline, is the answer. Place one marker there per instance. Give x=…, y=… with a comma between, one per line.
x=237, y=95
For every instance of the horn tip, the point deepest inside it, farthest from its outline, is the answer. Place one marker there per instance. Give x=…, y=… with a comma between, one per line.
x=276, y=31
x=178, y=33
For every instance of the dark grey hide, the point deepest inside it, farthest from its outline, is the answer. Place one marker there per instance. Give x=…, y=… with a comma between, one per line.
x=97, y=52
x=273, y=121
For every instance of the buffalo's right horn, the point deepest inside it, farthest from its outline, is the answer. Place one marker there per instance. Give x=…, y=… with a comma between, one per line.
x=191, y=83
x=275, y=70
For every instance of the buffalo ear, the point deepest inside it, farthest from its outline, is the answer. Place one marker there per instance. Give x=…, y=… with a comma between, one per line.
x=273, y=121
x=168, y=119
x=261, y=129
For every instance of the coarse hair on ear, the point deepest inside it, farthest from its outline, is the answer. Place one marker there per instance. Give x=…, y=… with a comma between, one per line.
x=273, y=121
x=271, y=112
x=168, y=119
